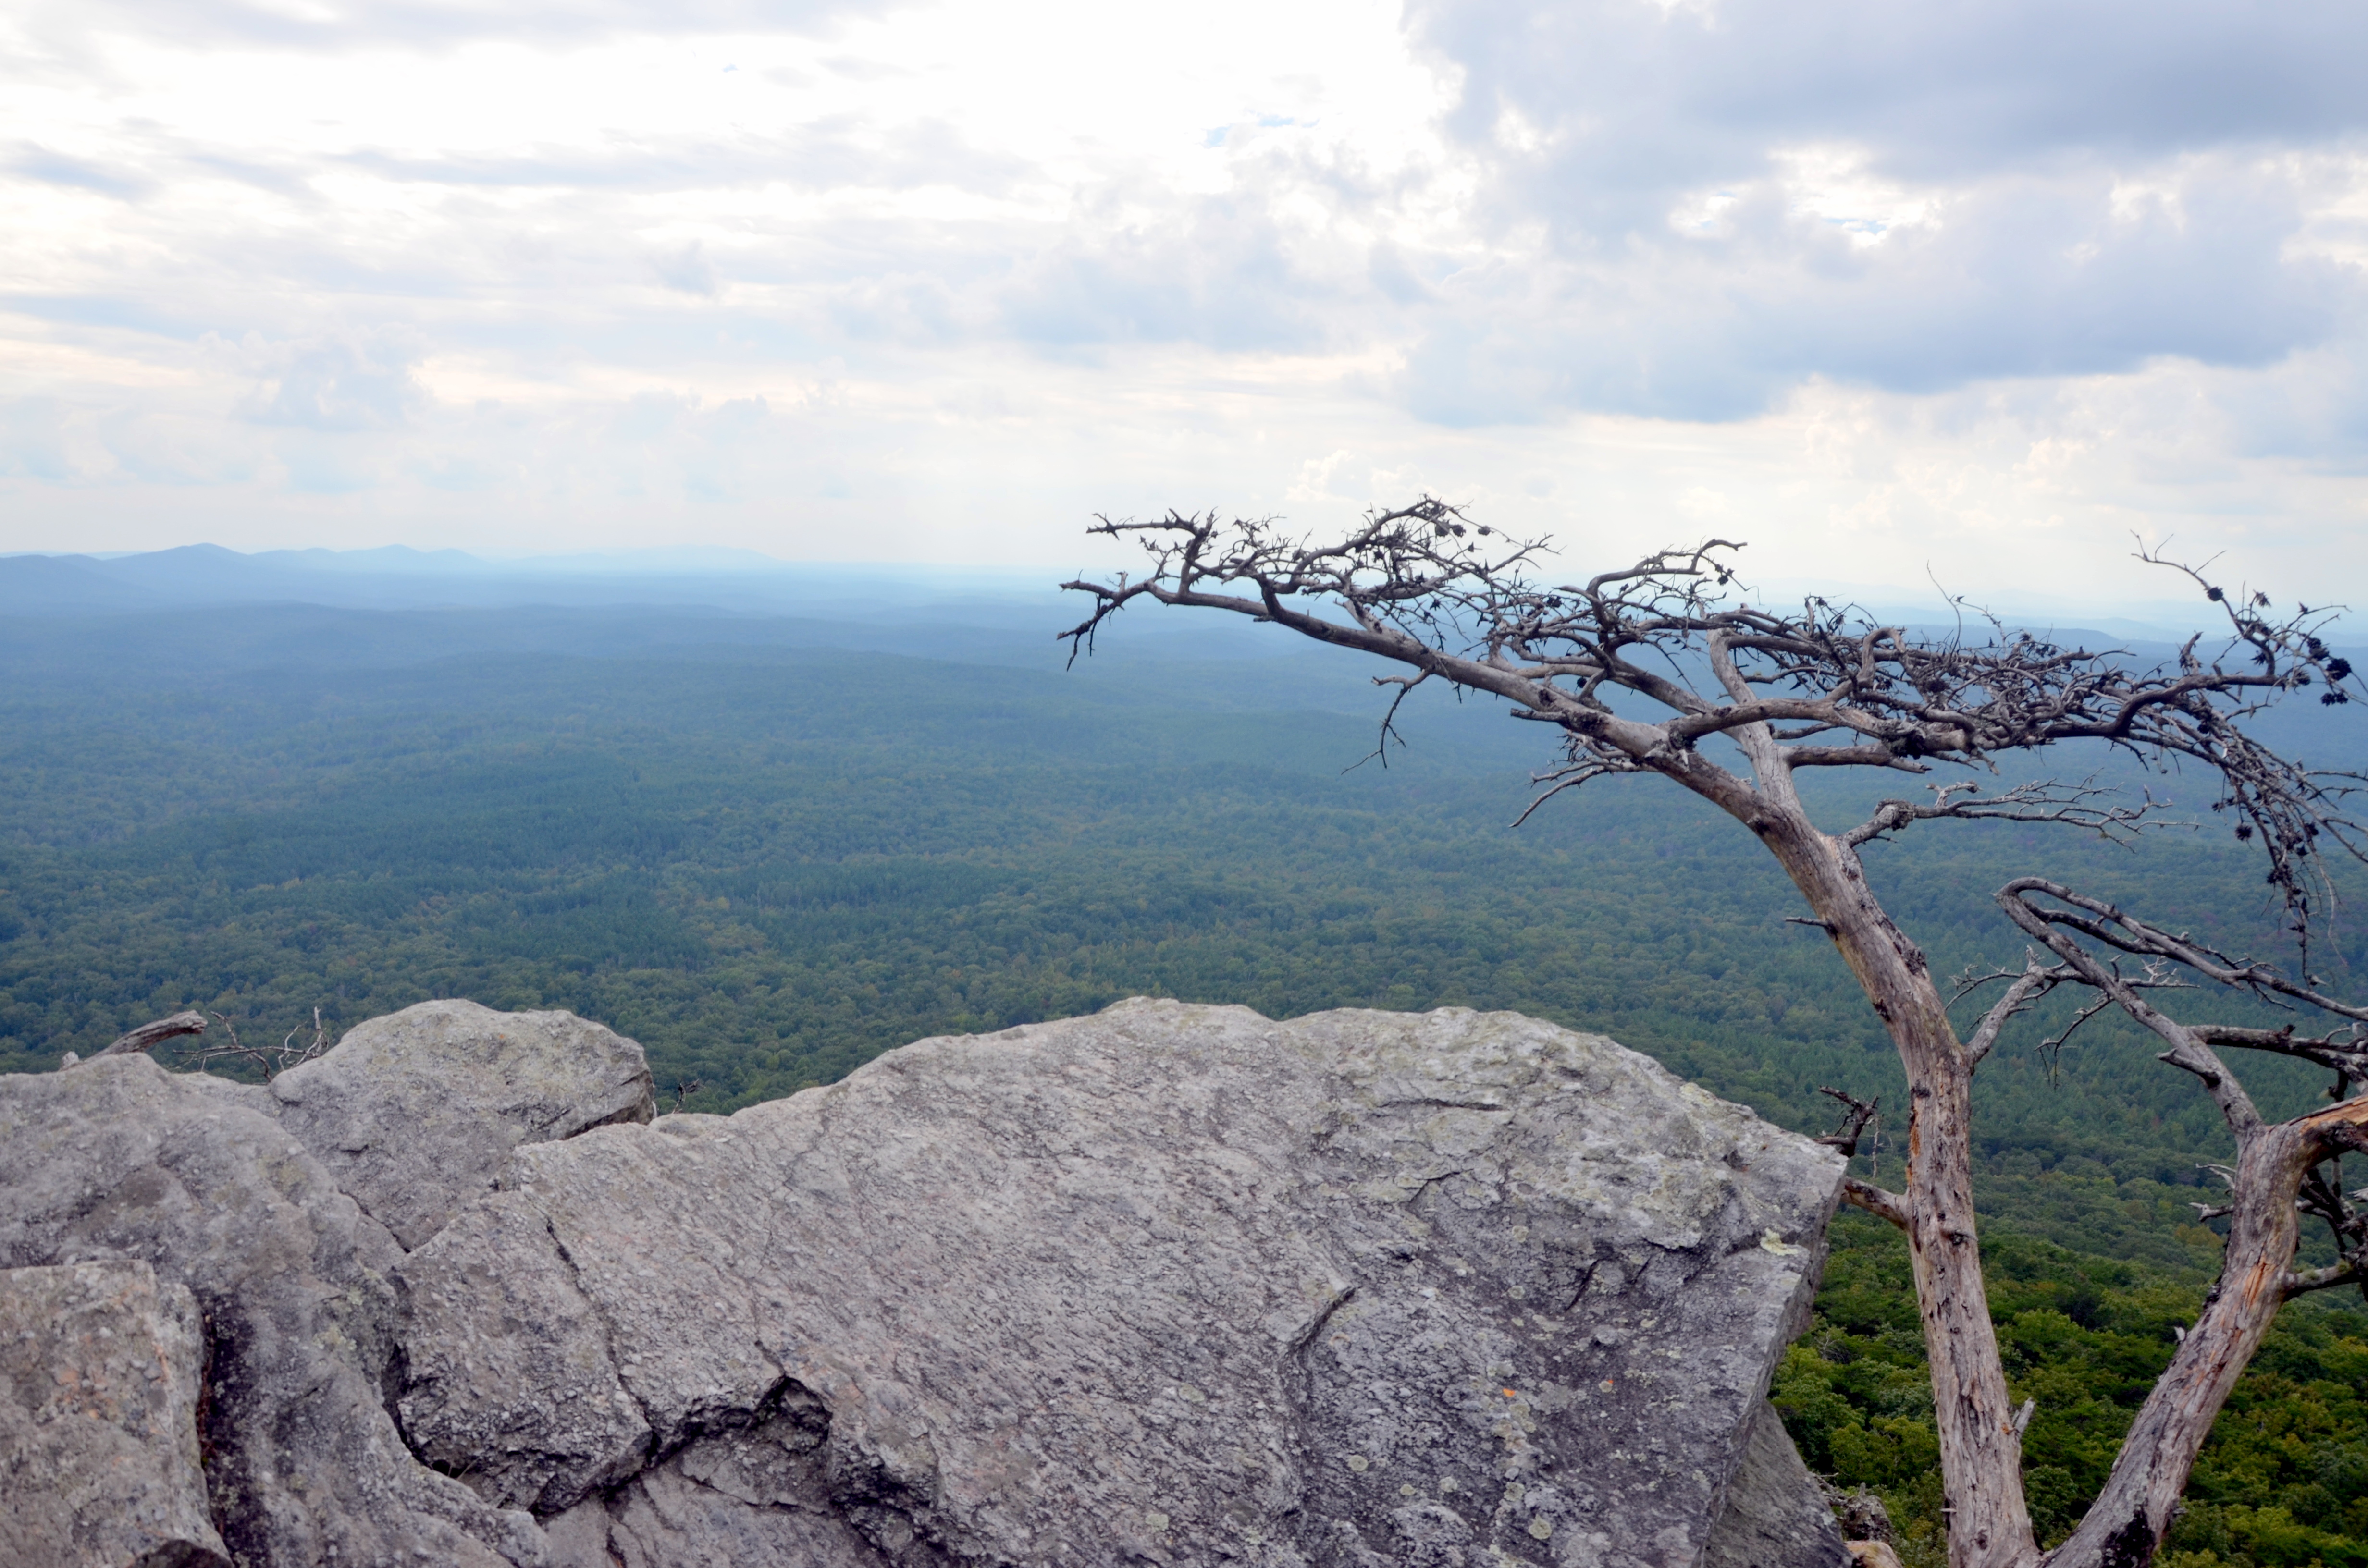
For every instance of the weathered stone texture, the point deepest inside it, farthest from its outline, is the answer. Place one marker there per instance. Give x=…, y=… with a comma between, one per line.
x=1171, y=1283
x=98, y=1439
x=1775, y=1516
x=247, y=1197
x=414, y=1113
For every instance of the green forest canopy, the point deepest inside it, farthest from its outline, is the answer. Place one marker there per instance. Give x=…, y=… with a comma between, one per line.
x=769, y=860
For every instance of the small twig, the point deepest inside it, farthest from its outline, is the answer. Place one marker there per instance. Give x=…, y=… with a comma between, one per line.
x=2033, y=981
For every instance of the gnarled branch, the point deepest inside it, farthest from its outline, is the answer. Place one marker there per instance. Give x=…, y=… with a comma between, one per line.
x=148, y=1037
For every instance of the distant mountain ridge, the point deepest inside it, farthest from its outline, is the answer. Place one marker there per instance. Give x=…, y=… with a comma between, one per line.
x=398, y=577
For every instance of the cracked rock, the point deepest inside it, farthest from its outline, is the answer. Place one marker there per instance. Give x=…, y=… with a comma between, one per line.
x=413, y=1113
x=99, y=1434
x=120, y=1160
x=259, y=1204
x=1171, y=1282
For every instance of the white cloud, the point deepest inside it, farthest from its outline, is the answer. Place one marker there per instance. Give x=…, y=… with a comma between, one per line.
x=1878, y=286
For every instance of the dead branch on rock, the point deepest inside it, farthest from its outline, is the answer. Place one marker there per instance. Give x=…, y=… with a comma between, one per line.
x=271, y=1061
x=148, y=1037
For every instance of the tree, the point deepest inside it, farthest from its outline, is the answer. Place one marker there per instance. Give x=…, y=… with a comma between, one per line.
x=1657, y=668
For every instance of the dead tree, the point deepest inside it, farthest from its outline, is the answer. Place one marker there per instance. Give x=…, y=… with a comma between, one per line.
x=148, y=1037
x=1657, y=669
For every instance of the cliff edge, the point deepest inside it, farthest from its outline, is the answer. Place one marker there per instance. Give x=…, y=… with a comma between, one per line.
x=1168, y=1284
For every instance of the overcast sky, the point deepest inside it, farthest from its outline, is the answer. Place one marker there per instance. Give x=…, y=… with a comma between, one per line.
x=1883, y=286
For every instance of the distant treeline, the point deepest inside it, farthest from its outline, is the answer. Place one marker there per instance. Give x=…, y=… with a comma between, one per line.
x=770, y=864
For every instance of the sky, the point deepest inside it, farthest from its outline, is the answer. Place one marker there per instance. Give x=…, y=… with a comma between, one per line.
x=1898, y=291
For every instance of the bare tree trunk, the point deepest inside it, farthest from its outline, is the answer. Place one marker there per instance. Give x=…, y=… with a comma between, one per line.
x=1981, y=1453
x=2125, y=1524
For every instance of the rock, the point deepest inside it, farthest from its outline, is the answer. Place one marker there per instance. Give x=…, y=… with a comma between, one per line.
x=205, y=1180
x=413, y=1113
x=1861, y=1514
x=1170, y=1283
x=98, y=1437
x=1775, y=1514
x=754, y=1496
x=1176, y=1284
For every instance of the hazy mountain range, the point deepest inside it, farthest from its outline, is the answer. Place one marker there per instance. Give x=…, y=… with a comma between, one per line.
x=749, y=581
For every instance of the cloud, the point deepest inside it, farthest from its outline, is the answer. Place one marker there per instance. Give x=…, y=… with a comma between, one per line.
x=1699, y=210
x=358, y=383
x=34, y=160
x=687, y=270
x=332, y=25
x=1848, y=264
x=1649, y=96
x=34, y=441
x=2017, y=277
x=837, y=152
x=1218, y=272
x=158, y=448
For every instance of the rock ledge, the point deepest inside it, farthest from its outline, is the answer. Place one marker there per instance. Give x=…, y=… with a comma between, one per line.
x=1168, y=1284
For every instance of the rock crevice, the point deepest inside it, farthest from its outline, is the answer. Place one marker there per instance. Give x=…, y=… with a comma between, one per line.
x=1169, y=1284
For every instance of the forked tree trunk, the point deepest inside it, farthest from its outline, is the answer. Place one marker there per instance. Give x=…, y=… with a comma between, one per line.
x=2125, y=1524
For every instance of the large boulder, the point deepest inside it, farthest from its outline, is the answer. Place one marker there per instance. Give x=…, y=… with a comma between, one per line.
x=98, y=1433
x=1171, y=1283
x=117, y=1159
x=413, y=1113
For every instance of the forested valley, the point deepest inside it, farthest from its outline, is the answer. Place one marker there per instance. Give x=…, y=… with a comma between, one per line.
x=771, y=848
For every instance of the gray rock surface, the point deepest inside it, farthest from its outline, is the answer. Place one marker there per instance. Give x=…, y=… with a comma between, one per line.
x=98, y=1435
x=414, y=1113
x=1169, y=1284
x=261, y=1202
x=120, y=1160
x=1775, y=1514
x=1172, y=1284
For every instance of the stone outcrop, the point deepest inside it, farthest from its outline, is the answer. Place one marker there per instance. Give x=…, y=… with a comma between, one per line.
x=1775, y=1513
x=98, y=1437
x=1168, y=1284
x=197, y=1178
x=414, y=1113
x=1171, y=1282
